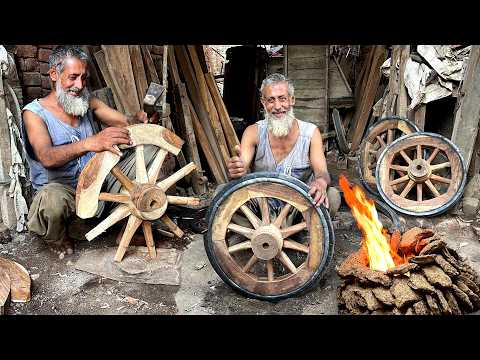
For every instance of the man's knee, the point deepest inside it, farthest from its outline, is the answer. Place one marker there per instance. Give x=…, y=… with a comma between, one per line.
x=334, y=200
x=53, y=201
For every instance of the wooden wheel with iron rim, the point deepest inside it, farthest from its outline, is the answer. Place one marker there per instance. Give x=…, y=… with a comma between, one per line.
x=142, y=200
x=379, y=136
x=265, y=237
x=421, y=174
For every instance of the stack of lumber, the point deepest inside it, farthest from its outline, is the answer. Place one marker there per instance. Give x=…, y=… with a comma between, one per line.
x=195, y=108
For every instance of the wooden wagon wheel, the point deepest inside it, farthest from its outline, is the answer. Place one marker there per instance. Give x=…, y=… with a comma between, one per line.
x=250, y=245
x=378, y=136
x=421, y=174
x=143, y=199
x=341, y=138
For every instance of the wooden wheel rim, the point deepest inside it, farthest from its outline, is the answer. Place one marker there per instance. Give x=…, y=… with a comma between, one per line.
x=320, y=240
x=381, y=128
x=432, y=206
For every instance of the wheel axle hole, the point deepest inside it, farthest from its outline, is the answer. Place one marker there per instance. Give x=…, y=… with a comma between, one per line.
x=265, y=245
x=153, y=203
x=419, y=167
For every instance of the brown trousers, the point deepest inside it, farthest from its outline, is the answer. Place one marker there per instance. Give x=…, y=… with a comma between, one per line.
x=53, y=208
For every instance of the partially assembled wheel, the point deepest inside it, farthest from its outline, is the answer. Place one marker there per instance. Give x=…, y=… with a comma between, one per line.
x=421, y=174
x=379, y=136
x=265, y=237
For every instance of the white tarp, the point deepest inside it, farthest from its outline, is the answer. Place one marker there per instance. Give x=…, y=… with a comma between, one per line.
x=426, y=83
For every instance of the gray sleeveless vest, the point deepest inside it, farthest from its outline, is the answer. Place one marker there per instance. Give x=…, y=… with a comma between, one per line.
x=297, y=162
x=60, y=134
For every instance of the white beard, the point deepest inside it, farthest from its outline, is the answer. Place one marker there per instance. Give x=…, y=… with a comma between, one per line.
x=280, y=126
x=73, y=105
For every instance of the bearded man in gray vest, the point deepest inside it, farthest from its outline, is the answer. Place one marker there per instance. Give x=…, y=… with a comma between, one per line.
x=60, y=137
x=283, y=144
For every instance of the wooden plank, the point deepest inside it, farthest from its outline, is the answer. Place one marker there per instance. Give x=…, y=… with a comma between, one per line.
x=102, y=64
x=165, y=80
x=367, y=99
x=467, y=117
x=402, y=105
x=119, y=66
x=93, y=78
x=420, y=116
x=151, y=73
x=206, y=147
x=303, y=51
x=307, y=74
x=172, y=64
x=138, y=72
x=4, y=290
x=228, y=130
x=196, y=100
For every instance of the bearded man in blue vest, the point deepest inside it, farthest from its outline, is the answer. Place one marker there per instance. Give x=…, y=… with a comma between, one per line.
x=60, y=138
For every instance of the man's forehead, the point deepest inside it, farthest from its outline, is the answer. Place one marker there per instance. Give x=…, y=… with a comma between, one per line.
x=74, y=65
x=276, y=89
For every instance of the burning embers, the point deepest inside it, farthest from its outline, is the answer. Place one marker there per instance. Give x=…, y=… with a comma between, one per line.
x=413, y=273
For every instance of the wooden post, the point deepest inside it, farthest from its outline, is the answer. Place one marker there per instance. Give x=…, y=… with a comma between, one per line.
x=402, y=90
x=467, y=116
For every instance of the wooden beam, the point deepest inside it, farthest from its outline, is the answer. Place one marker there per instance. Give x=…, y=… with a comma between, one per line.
x=119, y=66
x=467, y=116
x=164, y=80
x=102, y=64
x=138, y=72
x=420, y=116
x=172, y=63
x=402, y=104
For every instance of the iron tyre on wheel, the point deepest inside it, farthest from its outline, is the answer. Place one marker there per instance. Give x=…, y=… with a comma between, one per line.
x=265, y=237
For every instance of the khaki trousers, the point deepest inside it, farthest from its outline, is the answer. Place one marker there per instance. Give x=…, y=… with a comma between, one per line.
x=53, y=207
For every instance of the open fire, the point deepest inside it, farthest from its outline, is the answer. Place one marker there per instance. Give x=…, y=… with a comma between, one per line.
x=414, y=273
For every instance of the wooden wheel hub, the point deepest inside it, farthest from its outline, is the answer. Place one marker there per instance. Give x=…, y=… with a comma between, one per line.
x=419, y=170
x=148, y=197
x=267, y=242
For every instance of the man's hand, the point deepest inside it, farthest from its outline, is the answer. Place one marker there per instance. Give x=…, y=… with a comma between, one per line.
x=140, y=117
x=236, y=166
x=107, y=139
x=318, y=191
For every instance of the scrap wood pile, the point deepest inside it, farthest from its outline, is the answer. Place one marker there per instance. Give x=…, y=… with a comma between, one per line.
x=196, y=111
x=434, y=280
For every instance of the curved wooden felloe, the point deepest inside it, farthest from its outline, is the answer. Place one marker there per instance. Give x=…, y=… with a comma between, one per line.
x=380, y=135
x=421, y=174
x=19, y=280
x=267, y=259
x=141, y=200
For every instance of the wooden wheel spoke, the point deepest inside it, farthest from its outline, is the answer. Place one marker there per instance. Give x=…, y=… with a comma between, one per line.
x=399, y=180
x=250, y=263
x=407, y=188
x=117, y=198
x=241, y=246
x=254, y=220
x=172, y=226
x=440, y=166
x=419, y=192
x=124, y=180
x=405, y=156
x=283, y=214
x=264, y=210
x=440, y=179
x=120, y=212
x=147, y=231
x=132, y=226
x=287, y=262
x=140, y=168
x=270, y=273
x=293, y=245
x=398, y=167
x=289, y=231
x=381, y=142
x=389, y=136
x=156, y=166
x=242, y=230
x=183, y=200
x=172, y=179
x=432, y=188
x=419, y=151
x=432, y=156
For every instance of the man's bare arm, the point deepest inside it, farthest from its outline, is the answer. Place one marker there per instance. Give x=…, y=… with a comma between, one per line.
x=112, y=117
x=318, y=187
x=240, y=165
x=55, y=156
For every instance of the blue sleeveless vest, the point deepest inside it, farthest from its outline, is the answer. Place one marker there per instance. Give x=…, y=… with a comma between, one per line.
x=61, y=134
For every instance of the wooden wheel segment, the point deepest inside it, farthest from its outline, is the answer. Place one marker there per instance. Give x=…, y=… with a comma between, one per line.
x=376, y=140
x=262, y=254
x=421, y=174
x=141, y=200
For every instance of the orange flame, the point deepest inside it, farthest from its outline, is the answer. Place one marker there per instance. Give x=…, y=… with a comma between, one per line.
x=376, y=239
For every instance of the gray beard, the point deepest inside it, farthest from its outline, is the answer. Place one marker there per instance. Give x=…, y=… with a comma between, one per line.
x=73, y=105
x=280, y=126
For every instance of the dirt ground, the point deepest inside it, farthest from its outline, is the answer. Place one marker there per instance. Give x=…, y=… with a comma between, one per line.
x=58, y=288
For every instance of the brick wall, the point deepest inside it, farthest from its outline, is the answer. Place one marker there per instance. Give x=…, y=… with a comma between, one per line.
x=32, y=68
